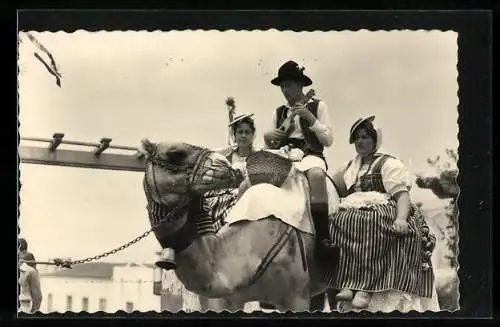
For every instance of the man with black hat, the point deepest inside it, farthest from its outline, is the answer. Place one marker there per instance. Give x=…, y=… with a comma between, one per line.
x=311, y=132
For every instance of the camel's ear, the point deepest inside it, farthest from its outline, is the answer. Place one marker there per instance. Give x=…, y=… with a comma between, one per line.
x=147, y=147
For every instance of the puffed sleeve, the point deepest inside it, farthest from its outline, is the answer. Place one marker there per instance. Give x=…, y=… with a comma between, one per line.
x=395, y=176
x=322, y=125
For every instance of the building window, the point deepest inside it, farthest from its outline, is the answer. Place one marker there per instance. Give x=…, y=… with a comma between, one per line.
x=129, y=306
x=102, y=305
x=69, y=303
x=157, y=280
x=49, y=302
x=85, y=304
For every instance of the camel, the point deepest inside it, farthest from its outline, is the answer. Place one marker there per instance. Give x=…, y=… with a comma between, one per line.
x=195, y=206
x=260, y=260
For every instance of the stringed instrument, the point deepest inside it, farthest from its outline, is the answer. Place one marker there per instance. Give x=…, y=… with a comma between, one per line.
x=285, y=128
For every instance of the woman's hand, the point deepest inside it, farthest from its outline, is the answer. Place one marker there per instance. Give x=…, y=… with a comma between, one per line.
x=241, y=166
x=401, y=226
x=403, y=204
x=295, y=154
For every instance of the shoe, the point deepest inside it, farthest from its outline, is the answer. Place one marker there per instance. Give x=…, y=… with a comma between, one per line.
x=166, y=260
x=361, y=300
x=345, y=294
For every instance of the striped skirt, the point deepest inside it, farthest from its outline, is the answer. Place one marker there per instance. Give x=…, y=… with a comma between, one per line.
x=374, y=258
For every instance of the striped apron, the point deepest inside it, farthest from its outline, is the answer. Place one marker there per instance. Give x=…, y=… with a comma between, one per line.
x=373, y=258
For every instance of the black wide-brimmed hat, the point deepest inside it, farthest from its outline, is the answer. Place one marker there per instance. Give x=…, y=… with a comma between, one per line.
x=356, y=124
x=290, y=71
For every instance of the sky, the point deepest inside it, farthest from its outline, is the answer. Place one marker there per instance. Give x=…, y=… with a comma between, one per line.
x=172, y=86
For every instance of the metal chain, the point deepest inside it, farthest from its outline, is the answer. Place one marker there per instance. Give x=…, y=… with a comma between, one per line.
x=69, y=263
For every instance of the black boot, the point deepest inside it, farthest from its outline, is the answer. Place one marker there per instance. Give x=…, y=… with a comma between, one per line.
x=326, y=252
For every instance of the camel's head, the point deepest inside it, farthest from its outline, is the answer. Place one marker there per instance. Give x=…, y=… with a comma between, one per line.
x=176, y=170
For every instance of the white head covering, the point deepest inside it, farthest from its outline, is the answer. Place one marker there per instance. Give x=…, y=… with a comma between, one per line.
x=350, y=175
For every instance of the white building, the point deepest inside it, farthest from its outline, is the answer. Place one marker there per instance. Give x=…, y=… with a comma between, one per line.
x=99, y=286
x=110, y=287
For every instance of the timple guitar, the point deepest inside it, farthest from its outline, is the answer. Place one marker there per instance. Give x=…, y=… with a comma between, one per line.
x=276, y=139
x=288, y=122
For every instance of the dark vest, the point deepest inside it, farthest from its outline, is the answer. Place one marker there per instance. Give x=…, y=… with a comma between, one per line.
x=371, y=180
x=311, y=144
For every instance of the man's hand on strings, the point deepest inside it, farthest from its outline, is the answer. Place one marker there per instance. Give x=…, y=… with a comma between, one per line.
x=304, y=113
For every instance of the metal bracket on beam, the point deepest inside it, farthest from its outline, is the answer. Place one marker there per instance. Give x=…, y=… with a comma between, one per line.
x=57, y=138
x=139, y=154
x=102, y=146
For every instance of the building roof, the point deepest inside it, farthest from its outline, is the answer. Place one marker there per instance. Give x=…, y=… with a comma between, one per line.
x=94, y=270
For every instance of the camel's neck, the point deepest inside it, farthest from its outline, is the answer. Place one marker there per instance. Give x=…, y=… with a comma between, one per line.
x=199, y=265
x=215, y=206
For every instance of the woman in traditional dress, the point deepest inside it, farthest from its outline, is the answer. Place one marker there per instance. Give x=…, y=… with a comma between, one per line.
x=385, y=243
x=243, y=130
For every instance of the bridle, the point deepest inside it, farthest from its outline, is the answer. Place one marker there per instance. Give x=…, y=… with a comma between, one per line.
x=193, y=170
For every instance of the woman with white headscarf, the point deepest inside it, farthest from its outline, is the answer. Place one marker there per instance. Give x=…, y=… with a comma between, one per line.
x=384, y=241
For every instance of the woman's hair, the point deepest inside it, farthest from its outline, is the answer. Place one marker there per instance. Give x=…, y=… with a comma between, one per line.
x=246, y=120
x=23, y=245
x=369, y=128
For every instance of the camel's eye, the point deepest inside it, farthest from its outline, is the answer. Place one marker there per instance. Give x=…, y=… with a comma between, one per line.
x=176, y=156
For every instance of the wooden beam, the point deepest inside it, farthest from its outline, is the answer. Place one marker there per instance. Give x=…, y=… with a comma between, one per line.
x=81, y=159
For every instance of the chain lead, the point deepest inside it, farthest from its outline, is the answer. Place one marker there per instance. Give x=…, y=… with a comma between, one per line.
x=69, y=263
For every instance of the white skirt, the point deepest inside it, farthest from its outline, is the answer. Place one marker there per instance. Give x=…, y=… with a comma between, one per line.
x=389, y=301
x=289, y=203
x=301, y=162
x=309, y=162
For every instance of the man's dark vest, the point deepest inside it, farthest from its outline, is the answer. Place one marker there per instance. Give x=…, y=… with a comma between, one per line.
x=371, y=180
x=311, y=145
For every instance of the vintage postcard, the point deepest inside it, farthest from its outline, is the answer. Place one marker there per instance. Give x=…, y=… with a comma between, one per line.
x=236, y=170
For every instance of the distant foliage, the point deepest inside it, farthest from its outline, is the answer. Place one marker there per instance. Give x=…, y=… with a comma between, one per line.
x=447, y=168
x=448, y=164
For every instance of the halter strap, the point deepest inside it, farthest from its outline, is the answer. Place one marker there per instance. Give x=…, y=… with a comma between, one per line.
x=192, y=173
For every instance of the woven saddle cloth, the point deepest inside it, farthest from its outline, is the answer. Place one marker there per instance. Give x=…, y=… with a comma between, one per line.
x=268, y=167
